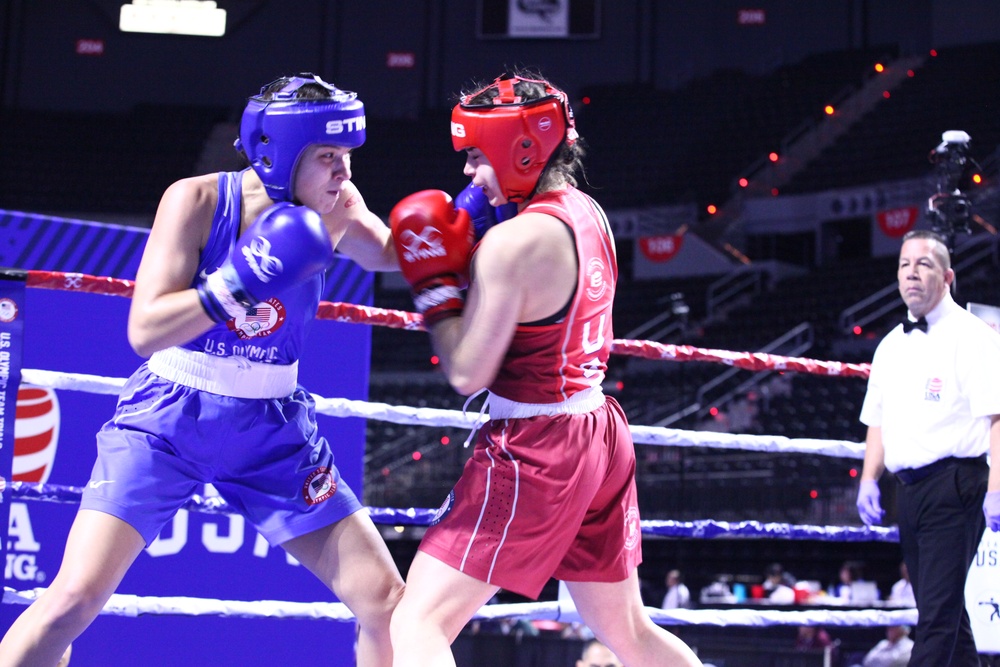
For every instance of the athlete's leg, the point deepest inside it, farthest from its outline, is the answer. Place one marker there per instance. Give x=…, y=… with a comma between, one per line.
x=438, y=602
x=614, y=611
x=99, y=551
x=351, y=558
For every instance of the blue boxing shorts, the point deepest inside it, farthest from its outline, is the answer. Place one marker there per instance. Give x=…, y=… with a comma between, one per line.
x=264, y=456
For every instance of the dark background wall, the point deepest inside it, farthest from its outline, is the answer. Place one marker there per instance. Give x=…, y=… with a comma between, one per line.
x=348, y=41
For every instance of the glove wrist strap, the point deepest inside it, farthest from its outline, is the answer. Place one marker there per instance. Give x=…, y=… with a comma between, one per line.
x=439, y=299
x=228, y=293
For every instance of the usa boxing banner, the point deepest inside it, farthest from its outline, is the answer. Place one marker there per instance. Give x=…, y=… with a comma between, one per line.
x=11, y=334
x=198, y=554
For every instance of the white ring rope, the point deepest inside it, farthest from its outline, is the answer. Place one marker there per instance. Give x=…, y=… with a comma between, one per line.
x=565, y=612
x=342, y=407
x=132, y=605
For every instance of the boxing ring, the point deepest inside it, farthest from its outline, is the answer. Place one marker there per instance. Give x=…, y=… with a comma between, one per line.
x=137, y=606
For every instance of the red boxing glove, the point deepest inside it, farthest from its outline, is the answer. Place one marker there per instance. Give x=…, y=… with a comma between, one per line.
x=434, y=242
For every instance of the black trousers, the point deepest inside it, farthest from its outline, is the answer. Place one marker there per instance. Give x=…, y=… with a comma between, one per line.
x=941, y=525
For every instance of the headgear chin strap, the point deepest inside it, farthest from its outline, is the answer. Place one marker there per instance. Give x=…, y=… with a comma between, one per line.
x=274, y=132
x=517, y=136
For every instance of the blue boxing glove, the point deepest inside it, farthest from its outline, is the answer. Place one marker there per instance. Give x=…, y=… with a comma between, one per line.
x=286, y=245
x=869, y=507
x=484, y=216
x=991, y=510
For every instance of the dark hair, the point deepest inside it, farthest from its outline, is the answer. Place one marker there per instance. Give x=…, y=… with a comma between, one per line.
x=567, y=160
x=940, y=250
x=855, y=568
x=309, y=91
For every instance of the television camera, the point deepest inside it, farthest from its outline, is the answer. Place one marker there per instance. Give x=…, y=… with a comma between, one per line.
x=949, y=209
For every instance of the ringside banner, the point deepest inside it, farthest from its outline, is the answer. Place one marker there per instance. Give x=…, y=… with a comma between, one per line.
x=197, y=555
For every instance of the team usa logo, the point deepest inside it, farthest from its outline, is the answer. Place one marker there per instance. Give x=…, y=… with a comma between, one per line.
x=597, y=284
x=260, y=321
x=36, y=434
x=932, y=391
x=444, y=510
x=319, y=486
x=632, y=528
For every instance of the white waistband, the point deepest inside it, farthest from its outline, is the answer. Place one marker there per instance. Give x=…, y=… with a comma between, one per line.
x=580, y=403
x=227, y=376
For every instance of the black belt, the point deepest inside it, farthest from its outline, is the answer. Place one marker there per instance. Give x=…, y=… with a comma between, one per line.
x=914, y=475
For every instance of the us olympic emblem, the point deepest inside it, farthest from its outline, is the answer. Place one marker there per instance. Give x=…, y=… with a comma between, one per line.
x=8, y=310
x=319, y=486
x=260, y=321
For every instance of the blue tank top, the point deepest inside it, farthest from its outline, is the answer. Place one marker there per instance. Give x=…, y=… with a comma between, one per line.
x=274, y=331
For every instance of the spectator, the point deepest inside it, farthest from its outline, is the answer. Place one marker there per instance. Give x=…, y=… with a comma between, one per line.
x=901, y=594
x=779, y=585
x=811, y=637
x=893, y=651
x=678, y=596
x=851, y=572
x=596, y=654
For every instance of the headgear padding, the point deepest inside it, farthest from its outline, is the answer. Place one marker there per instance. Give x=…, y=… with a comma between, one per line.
x=517, y=136
x=275, y=131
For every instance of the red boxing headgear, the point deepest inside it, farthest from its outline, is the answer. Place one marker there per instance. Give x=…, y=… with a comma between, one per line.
x=517, y=136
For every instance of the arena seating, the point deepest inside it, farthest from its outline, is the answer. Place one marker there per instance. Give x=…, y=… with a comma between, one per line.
x=892, y=142
x=99, y=163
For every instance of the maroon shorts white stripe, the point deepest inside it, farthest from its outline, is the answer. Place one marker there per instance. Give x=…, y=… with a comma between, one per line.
x=541, y=497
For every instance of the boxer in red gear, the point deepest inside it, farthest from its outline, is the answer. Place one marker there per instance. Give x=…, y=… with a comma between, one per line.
x=550, y=488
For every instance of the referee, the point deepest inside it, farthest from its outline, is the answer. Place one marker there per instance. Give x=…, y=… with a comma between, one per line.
x=933, y=412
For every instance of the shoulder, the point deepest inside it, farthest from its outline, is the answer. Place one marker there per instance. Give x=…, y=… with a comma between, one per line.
x=888, y=343
x=967, y=323
x=530, y=245
x=527, y=231
x=190, y=201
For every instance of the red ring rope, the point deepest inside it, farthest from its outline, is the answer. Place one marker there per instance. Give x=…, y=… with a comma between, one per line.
x=398, y=319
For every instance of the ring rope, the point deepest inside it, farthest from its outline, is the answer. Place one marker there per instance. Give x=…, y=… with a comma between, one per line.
x=413, y=516
x=137, y=605
x=342, y=407
x=130, y=605
x=398, y=319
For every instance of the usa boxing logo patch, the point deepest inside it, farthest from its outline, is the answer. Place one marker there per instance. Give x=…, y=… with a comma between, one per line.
x=932, y=390
x=319, y=486
x=260, y=321
x=596, y=284
x=444, y=510
x=632, y=528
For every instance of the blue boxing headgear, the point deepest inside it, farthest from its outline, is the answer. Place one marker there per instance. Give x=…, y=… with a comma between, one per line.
x=279, y=124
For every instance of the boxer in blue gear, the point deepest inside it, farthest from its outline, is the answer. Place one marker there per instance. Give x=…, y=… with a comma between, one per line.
x=228, y=286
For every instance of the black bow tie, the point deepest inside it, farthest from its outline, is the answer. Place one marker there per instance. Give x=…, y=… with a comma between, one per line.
x=909, y=325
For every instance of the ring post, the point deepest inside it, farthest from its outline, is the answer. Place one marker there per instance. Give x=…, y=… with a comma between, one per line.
x=12, y=289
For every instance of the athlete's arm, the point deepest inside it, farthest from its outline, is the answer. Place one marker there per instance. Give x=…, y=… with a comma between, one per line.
x=524, y=270
x=165, y=311
x=359, y=233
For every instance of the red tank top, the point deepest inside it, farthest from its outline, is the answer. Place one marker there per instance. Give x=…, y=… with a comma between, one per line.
x=551, y=362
